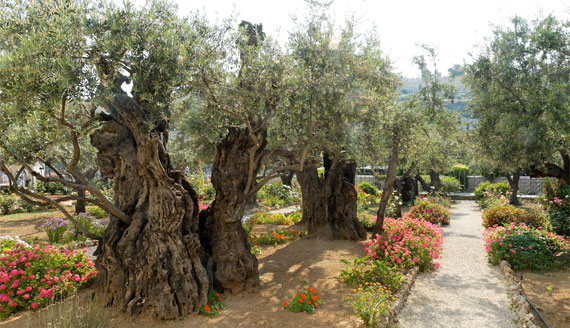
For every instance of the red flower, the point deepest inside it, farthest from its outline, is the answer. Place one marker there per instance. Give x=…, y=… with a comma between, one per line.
x=207, y=309
x=285, y=304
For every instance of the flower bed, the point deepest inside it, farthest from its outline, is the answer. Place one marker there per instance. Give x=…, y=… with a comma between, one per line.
x=525, y=247
x=274, y=238
x=428, y=211
x=407, y=242
x=276, y=218
x=32, y=277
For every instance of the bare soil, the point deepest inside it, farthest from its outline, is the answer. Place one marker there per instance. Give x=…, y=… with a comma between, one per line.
x=26, y=225
x=553, y=303
x=284, y=271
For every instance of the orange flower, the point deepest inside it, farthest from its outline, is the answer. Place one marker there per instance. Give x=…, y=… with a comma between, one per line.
x=303, y=296
x=207, y=309
x=301, y=300
x=220, y=298
x=316, y=305
x=218, y=294
x=309, y=302
x=285, y=304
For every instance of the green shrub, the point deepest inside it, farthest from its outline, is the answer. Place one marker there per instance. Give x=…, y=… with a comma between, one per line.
x=427, y=211
x=366, y=271
x=525, y=247
x=461, y=173
x=450, y=184
x=51, y=188
x=97, y=212
x=556, y=200
x=370, y=303
x=368, y=188
x=275, y=218
x=7, y=204
x=503, y=214
x=368, y=221
x=496, y=188
x=276, y=193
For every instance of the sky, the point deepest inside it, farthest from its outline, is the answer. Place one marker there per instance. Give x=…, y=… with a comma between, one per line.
x=453, y=27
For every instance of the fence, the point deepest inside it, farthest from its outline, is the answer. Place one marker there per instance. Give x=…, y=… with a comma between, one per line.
x=527, y=185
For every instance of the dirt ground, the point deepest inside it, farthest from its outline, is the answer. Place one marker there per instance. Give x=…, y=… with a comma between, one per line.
x=26, y=225
x=553, y=303
x=284, y=269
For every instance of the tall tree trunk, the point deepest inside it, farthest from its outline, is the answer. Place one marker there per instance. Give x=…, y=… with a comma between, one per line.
x=329, y=204
x=151, y=262
x=435, y=182
x=235, y=268
x=514, y=184
x=388, y=187
x=80, y=203
x=287, y=179
x=425, y=186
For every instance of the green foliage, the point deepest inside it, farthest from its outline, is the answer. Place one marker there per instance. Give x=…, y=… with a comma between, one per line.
x=450, y=184
x=97, y=212
x=496, y=188
x=276, y=218
x=556, y=200
x=525, y=247
x=7, y=204
x=35, y=276
x=215, y=304
x=275, y=237
x=368, y=221
x=276, y=193
x=503, y=214
x=371, y=302
x=367, y=271
x=428, y=211
x=51, y=188
x=461, y=172
x=368, y=188
x=308, y=301
x=364, y=199
x=55, y=228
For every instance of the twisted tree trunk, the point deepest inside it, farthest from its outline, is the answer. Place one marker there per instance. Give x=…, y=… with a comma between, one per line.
x=235, y=268
x=435, y=181
x=514, y=184
x=153, y=261
x=329, y=204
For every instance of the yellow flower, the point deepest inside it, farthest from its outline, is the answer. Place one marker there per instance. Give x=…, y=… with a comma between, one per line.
x=354, y=290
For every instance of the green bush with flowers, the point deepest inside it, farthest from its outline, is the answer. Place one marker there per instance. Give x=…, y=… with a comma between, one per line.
x=406, y=243
x=496, y=188
x=34, y=276
x=215, y=304
x=556, y=200
x=501, y=214
x=526, y=247
x=307, y=301
x=430, y=212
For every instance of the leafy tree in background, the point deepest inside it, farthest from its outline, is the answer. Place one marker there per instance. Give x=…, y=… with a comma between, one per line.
x=519, y=84
x=58, y=55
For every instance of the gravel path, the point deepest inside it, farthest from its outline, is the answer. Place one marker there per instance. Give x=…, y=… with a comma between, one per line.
x=466, y=291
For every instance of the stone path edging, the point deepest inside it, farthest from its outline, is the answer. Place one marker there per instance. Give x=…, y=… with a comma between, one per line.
x=401, y=298
x=523, y=310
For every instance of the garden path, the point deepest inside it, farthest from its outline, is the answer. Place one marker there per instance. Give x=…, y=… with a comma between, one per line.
x=466, y=290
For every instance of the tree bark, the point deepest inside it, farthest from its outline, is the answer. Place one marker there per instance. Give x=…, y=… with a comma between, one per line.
x=151, y=263
x=329, y=204
x=235, y=268
x=514, y=184
x=552, y=170
x=287, y=179
x=80, y=203
x=435, y=182
x=388, y=187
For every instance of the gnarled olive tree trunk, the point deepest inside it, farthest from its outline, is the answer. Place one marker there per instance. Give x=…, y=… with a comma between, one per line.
x=329, y=203
x=435, y=181
x=235, y=268
x=514, y=184
x=152, y=261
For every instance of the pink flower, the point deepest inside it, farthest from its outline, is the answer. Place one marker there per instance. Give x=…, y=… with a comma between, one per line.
x=34, y=305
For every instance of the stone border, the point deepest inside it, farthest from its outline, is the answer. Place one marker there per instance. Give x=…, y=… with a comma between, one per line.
x=520, y=305
x=77, y=245
x=401, y=298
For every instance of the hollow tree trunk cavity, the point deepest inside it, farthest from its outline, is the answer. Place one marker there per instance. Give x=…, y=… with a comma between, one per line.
x=329, y=203
x=151, y=263
x=235, y=268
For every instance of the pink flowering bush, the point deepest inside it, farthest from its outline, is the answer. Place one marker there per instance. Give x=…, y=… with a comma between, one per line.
x=428, y=211
x=367, y=220
x=406, y=243
x=32, y=277
x=525, y=247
